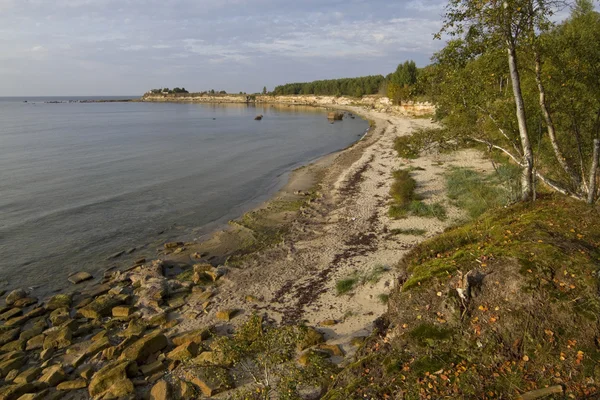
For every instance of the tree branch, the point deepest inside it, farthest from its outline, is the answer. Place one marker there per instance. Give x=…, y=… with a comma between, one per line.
x=494, y=146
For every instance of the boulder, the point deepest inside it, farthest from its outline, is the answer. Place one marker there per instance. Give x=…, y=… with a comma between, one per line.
x=112, y=381
x=183, y=352
x=13, y=363
x=59, y=316
x=160, y=391
x=29, y=375
x=80, y=277
x=144, y=347
x=102, y=306
x=36, y=342
x=58, y=339
x=13, y=312
x=15, y=295
x=25, y=302
x=210, y=380
x=14, y=392
x=122, y=311
x=72, y=385
x=226, y=315
x=53, y=375
x=9, y=336
x=59, y=301
x=197, y=336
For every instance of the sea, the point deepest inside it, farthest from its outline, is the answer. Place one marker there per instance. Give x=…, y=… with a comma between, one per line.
x=81, y=181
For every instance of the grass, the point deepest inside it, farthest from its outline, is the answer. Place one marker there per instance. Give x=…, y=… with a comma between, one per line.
x=531, y=319
x=345, y=285
x=383, y=298
x=403, y=188
x=476, y=193
x=411, y=231
x=375, y=274
x=435, y=210
x=405, y=147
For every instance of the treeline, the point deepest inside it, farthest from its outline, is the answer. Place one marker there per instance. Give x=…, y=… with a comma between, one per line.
x=524, y=86
x=168, y=91
x=356, y=87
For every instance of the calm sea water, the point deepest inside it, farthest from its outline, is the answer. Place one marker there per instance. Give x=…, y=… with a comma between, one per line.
x=79, y=182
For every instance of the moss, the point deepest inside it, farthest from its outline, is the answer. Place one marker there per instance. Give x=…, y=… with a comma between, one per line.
x=427, y=334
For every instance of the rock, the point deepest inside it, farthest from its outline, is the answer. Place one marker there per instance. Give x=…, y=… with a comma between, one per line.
x=59, y=316
x=140, y=261
x=197, y=336
x=142, y=348
x=25, y=302
x=173, y=245
x=15, y=295
x=53, y=375
x=210, y=380
x=204, y=296
x=15, y=345
x=206, y=272
x=80, y=277
x=310, y=338
x=97, y=290
x=17, y=321
x=122, y=311
x=251, y=299
x=183, y=390
x=152, y=368
x=59, y=301
x=258, y=118
x=14, y=392
x=177, y=301
x=12, y=374
x=86, y=372
x=29, y=375
x=96, y=347
x=115, y=255
x=14, y=363
x=35, y=330
x=214, y=357
x=47, y=354
x=72, y=385
x=9, y=336
x=13, y=312
x=112, y=382
x=102, y=306
x=328, y=322
x=183, y=352
x=357, y=341
x=36, y=312
x=58, y=339
x=171, y=324
x=305, y=357
x=226, y=315
x=135, y=328
x=160, y=391
x=333, y=349
x=157, y=320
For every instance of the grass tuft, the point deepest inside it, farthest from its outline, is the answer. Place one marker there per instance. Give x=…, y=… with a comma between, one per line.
x=345, y=285
x=411, y=231
x=435, y=210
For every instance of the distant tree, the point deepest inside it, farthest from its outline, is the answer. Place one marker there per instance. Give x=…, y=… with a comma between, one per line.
x=264, y=90
x=222, y=92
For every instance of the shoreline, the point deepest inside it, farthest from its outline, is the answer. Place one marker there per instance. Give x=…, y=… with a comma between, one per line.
x=281, y=261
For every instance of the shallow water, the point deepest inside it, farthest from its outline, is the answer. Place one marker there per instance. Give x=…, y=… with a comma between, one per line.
x=79, y=182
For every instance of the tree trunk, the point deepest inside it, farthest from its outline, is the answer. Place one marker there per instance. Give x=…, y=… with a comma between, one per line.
x=575, y=180
x=593, y=172
x=527, y=175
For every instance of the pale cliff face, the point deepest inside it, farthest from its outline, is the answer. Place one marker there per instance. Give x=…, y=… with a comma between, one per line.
x=374, y=102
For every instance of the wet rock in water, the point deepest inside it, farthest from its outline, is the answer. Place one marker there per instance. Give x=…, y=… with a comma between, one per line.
x=53, y=375
x=59, y=301
x=173, y=245
x=144, y=347
x=72, y=385
x=116, y=255
x=79, y=277
x=13, y=312
x=210, y=380
x=25, y=302
x=258, y=117
x=15, y=295
x=160, y=391
x=112, y=381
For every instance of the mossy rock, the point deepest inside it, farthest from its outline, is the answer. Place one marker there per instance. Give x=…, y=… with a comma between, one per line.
x=112, y=381
x=59, y=301
x=309, y=337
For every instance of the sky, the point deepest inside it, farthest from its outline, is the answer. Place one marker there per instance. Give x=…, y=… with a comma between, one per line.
x=126, y=47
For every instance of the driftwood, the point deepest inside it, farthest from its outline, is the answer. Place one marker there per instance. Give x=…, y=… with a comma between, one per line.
x=539, y=393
